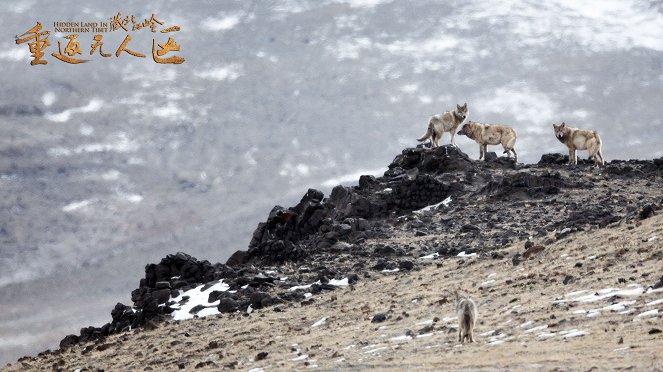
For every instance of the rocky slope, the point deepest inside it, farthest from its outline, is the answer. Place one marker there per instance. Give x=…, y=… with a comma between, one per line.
x=564, y=261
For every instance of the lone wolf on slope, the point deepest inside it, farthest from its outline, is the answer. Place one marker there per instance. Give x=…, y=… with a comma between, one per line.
x=491, y=134
x=580, y=139
x=447, y=122
x=466, y=310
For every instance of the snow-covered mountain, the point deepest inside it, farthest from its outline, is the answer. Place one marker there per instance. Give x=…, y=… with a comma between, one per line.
x=113, y=163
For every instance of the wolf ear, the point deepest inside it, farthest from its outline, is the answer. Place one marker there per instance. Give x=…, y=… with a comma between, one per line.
x=465, y=104
x=563, y=124
x=458, y=106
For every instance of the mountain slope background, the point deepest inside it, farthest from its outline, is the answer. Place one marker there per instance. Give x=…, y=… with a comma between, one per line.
x=111, y=164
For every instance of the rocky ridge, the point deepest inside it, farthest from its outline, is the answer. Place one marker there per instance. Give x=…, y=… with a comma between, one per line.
x=445, y=202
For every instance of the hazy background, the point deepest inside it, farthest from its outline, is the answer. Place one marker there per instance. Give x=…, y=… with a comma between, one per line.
x=112, y=164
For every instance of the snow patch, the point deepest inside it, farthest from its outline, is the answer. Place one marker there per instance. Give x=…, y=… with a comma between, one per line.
x=229, y=72
x=351, y=177
x=15, y=54
x=93, y=106
x=444, y=202
x=537, y=328
x=319, y=322
x=47, y=98
x=647, y=314
x=465, y=255
x=197, y=297
x=222, y=23
x=631, y=290
x=73, y=206
x=363, y=3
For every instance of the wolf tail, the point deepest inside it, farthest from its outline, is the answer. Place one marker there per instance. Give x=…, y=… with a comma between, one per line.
x=427, y=135
x=598, y=138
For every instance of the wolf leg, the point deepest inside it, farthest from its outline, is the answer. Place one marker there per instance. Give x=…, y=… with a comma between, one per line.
x=600, y=154
x=453, y=138
x=596, y=154
x=515, y=155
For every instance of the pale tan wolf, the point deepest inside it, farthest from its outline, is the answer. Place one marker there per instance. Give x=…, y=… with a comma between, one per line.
x=580, y=139
x=491, y=134
x=466, y=310
x=447, y=122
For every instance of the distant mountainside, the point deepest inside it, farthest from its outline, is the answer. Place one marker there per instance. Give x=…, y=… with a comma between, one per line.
x=431, y=206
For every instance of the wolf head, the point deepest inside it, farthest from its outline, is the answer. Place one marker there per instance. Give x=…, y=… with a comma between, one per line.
x=460, y=300
x=561, y=131
x=461, y=111
x=466, y=129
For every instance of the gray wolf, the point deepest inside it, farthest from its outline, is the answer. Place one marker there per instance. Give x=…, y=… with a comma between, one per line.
x=466, y=310
x=580, y=139
x=491, y=134
x=447, y=122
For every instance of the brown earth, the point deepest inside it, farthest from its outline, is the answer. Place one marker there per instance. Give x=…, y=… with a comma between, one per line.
x=527, y=317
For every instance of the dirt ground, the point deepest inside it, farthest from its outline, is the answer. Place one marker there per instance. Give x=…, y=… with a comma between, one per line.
x=604, y=317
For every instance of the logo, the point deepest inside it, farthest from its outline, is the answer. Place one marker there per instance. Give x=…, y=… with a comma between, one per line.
x=163, y=50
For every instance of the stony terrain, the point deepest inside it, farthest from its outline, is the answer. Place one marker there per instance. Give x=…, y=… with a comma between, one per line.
x=564, y=262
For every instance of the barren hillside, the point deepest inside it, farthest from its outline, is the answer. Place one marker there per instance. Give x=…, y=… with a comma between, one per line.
x=564, y=263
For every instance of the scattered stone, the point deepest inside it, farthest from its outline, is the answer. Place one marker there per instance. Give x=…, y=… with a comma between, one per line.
x=103, y=347
x=470, y=228
x=532, y=250
x=227, y=305
x=196, y=309
x=162, y=285
x=516, y=259
x=427, y=329
x=562, y=234
x=379, y=318
x=654, y=331
x=406, y=265
x=261, y=356
x=68, y=341
x=646, y=212
x=568, y=279
x=490, y=156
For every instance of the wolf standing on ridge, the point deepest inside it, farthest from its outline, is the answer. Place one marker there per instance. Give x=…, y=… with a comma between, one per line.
x=491, y=134
x=447, y=122
x=580, y=139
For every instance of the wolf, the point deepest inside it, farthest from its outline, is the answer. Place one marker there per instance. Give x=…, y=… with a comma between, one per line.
x=491, y=134
x=447, y=122
x=466, y=310
x=580, y=139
